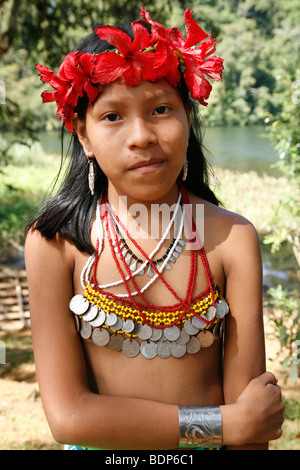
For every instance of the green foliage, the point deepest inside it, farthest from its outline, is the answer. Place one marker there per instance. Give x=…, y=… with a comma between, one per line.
x=284, y=317
x=257, y=39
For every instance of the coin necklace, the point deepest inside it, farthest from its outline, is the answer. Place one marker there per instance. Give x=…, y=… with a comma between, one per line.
x=144, y=328
x=171, y=255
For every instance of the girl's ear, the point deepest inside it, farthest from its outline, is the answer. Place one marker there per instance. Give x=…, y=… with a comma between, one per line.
x=79, y=126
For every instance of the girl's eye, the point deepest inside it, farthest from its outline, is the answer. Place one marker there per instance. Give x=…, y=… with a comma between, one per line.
x=161, y=110
x=112, y=117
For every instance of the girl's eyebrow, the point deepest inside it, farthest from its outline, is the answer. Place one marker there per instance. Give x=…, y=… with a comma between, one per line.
x=113, y=101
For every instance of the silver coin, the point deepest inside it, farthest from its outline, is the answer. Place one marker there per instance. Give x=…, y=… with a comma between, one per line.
x=194, y=345
x=91, y=313
x=99, y=320
x=163, y=338
x=130, y=347
x=148, y=349
x=115, y=342
x=111, y=319
x=190, y=328
x=79, y=304
x=118, y=325
x=85, y=330
x=128, y=326
x=156, y=334
x=216, y=330
x=206, y=338
x=183, y=338
x=172, y=333
x=222, y=308
x=198, y=322
x=163, y=349
x=136, y=329
x=220, y=311
x=77, y=323
x=177, y=350
x=211, y=313
x=100, y=336
x=222, y=329
x=144, y=332
x=224, y=303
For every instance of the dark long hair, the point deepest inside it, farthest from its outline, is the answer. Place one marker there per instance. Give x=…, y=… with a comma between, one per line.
x=71, y=211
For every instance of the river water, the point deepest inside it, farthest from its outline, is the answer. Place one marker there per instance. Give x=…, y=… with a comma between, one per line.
x=242, y=149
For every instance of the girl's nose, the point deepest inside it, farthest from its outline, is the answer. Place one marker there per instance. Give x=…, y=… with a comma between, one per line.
x=141, y=134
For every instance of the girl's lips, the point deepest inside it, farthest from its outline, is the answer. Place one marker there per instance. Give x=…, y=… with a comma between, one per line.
x=147, y=167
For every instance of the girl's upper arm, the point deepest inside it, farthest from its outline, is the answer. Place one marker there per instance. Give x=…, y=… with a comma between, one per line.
x=58, y=353
x=244, y=351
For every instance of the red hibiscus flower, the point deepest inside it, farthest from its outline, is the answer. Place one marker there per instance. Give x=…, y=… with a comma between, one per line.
x=166, y=63
x=195, y=58
x=74, y=77
x=132, y=60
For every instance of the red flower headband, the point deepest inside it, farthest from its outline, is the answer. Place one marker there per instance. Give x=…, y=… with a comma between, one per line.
x=161, y=54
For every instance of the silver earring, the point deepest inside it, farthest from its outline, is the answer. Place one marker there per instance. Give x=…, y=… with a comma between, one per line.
x=91, y=177
x=185, y=170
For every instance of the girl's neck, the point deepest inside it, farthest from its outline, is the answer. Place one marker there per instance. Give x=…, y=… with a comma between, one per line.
x=147, y=215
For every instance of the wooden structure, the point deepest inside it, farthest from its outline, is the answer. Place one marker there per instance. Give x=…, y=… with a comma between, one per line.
x=14, y=302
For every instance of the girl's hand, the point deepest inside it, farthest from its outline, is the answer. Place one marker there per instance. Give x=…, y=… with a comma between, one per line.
x=257, y=416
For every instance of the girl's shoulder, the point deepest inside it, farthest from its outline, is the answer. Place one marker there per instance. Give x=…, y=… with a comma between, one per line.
x=40, y=251
x=226, y=229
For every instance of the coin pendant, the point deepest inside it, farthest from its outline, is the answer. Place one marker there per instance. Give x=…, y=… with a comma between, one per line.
x=99, y=320
x=225, y=304
x=148, y=349
x=130, y=347
x=222, y=308
x=111, y=319
x=190, y=328
x=118, y=325
x=198, y=322
x=156, y=334
x=91, y=313
x=222, y=328
x=177, y=350
x=115, y=342
x=163, y=349
x=128, y=326
x=144, y=332
x=216, y=330
x=85, y=330
x=79, y=304
x=100, y=336
x=211, y=313
x=172, y=333
x=206, y=338
x=77, y=323
x=183, y=338
x=194, y=345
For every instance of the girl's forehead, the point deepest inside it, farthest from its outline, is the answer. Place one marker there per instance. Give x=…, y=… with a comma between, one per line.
x=119, y=90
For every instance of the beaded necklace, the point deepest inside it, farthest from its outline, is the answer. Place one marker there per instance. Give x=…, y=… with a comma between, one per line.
x=123, y=323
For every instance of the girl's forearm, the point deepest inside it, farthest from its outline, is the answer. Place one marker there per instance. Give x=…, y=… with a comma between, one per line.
x=131, y=423
x=110, y=422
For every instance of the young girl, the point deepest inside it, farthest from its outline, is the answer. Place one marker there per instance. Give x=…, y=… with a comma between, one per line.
x=129, y=265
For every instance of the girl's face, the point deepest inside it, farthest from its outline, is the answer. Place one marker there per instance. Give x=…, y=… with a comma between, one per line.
x=139, y=137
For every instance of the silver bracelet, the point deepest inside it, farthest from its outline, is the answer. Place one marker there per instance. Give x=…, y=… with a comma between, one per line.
x=200, y=426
